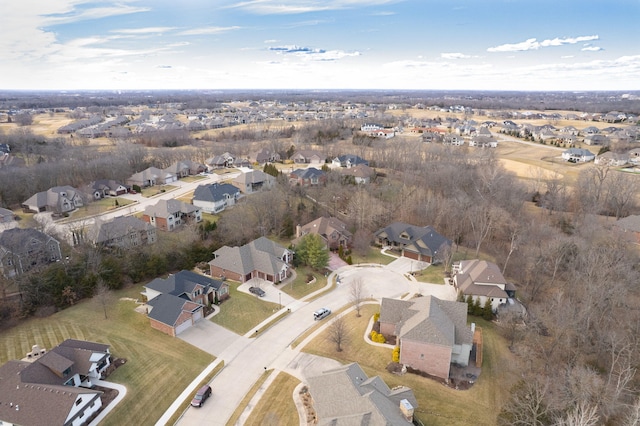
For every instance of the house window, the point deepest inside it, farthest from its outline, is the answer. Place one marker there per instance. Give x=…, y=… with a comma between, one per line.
x=78, y=401
x=421, y=356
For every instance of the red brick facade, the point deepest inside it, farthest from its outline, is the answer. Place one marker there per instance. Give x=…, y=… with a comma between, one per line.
x=167, y=329
x=217, y=273
x=432, y=359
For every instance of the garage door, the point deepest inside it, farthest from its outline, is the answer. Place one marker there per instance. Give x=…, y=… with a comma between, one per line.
x=182, y=327
x=197, y=316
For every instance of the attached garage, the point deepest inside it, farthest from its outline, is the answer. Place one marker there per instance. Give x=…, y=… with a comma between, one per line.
x=182, y=327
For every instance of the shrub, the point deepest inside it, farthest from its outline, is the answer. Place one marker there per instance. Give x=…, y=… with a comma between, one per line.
x=377, y=337
x=376, y=317
x=395, y=356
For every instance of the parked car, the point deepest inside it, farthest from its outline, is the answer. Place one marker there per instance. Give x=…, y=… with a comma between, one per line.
x=257, y=291
x=201, y=396
x=321, y=313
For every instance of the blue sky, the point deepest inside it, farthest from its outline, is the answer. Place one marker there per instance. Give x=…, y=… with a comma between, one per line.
x=321, y=44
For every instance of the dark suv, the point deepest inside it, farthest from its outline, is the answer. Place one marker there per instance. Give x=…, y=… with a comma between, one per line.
x=257, y=291
x=201, y=396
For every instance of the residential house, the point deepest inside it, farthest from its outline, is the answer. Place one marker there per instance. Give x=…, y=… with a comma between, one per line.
x=264, y=156
x=151, y=177
x=371, y=127
x=177, y=302
x=348, y=161
x=333, y=232
x=214, y=198
x=346, y=396
x=611, y=158
x=24, y=249
x=308, y=156
x=253, y=181
x=54, y=387
x=432, y=136
x=307, y=177
x=185, y=168
x=453, y=139
x=629, y=227
x=432, y=333
x=596, y=140
x=482, y=280
x=123, y=232
x=59, y=199
x=421, y=243
x=384, y=133
x=261, y=258
x=105, y=187
x=216, y=162
x=168, y=215
x=579, y=155
x=482, y=141
x=6, y=216
x=361, y=174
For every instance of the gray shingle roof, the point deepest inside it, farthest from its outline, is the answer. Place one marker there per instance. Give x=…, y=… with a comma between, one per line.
x=259, y=255
x=118, y=227
x=164, y=208
x=168, y=308
x=482, y=278
x=215, y=192
x=421, y=239
x=183, y=282
x=346, y=396
x=428, y=319
x=629, y=223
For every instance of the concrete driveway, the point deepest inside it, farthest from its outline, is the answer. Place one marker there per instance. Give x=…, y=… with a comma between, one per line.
x=272, y=293
x=210, y=337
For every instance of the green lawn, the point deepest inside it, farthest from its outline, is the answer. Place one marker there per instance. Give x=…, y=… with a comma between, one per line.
x=98, y=207
x=158, y=366
x=155, y=190
x=298, y=288
x=373, y=256
x=438, y=404
x=242, y=312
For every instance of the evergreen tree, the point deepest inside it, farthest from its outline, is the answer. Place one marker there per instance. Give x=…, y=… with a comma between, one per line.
x=311, y=251
x=487, y=310
x=477, y=308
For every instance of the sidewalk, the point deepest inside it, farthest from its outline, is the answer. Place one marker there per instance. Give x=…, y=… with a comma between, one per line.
x=122, y=392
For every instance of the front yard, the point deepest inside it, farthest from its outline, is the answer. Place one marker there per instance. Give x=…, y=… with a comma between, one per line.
x=242, y=312
x=158, y=366
x=438, y=404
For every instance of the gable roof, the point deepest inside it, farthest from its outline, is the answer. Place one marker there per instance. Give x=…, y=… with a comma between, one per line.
x=33, y=403
x=482, y=278
x=18, y=240
x=346, y=396
x=421, y=239
x=183, y=282
x=118, y=227
x=52, y=197
x=259, y=255
x=215, y=192
x=428, y=320
x=168, y=309
x=308, y=173
x=164, y=208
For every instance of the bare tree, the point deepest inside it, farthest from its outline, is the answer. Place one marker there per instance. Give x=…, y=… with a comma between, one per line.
x=103, y=296
x=357, y=294
x=338, y=333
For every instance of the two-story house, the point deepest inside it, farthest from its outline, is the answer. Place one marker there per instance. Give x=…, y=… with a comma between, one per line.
x=24, y=249
x=168, y=215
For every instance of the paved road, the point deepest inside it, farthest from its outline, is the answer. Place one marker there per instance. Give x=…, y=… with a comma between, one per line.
x=246, y=358
x=64, y=227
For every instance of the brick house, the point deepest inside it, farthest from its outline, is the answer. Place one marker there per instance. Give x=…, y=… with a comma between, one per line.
x=123, y=232
x=432, y=333
x=261, y=258
x=333, y=232
x=168, y=215
x=177, y=302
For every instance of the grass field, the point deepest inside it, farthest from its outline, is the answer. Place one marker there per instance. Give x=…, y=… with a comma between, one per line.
x=298, y=288
x=242, y=312
x=158, y=366
x=438, y=404
x=373, y=256
x=276, y=406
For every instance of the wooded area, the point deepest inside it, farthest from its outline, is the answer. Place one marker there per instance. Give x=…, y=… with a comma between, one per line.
x=578, y=348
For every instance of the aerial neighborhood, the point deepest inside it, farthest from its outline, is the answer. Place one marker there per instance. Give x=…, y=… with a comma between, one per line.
x=389, y=262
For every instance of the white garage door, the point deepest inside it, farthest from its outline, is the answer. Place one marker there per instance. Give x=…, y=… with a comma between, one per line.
x=182, y=327
x=197, y=316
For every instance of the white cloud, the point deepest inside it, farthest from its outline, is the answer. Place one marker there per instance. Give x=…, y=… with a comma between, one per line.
x=454, y=56
x=148, y=30
x=75, y=15
x=289, y=7
x=534, y=44
x=208, y=30
x=310, y=53
x=383, y=13
x=591, y=49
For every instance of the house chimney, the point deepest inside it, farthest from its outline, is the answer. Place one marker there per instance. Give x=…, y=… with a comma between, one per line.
x=298, y=229
x=407, y=410
x=473, y=327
